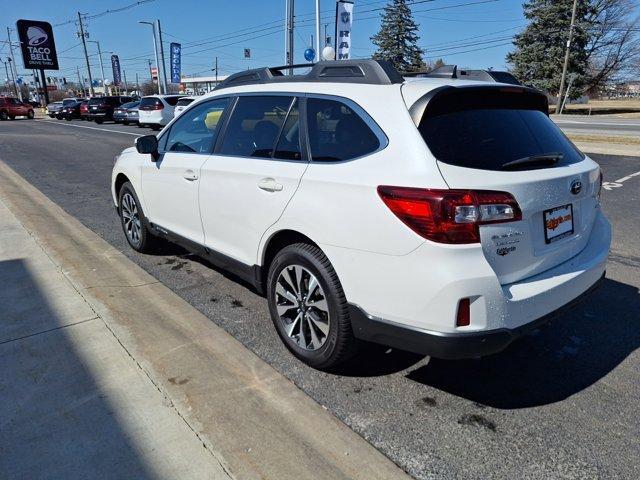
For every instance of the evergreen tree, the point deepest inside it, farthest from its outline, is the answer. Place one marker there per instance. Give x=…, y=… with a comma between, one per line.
x=540, y=49
x=397, y=39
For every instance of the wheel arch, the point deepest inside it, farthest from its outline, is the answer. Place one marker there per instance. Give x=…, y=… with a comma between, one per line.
x=276, y=242
x=121, y=179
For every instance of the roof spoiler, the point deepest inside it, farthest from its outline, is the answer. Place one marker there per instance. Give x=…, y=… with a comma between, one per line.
x=452, y=71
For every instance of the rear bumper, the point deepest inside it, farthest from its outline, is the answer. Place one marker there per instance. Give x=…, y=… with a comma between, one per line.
x=449, y=346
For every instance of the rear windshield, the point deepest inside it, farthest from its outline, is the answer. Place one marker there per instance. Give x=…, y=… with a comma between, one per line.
x=68, y=101
x=172, y=100
x=96, y=101
x=149, y=102
x=487, y=138
x=184, y=101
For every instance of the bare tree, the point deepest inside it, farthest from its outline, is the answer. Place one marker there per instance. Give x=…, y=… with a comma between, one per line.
x=613, y=50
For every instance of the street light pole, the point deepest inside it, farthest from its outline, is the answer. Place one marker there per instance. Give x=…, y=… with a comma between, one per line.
x=155, y=51
x=13, y=78
x=164, y=70
x=566, y=56
x=104, y=85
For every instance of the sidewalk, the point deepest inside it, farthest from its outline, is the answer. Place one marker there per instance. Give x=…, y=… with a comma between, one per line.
x=73, y=403
x=109, y=374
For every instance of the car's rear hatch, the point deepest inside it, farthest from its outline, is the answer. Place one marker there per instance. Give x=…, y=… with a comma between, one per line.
x=501, y=138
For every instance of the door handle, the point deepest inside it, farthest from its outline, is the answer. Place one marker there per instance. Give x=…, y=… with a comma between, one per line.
x=190, y=175
x=269, y=185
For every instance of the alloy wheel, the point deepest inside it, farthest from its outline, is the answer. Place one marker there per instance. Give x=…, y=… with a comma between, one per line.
x=131, y=218
x=302, y=307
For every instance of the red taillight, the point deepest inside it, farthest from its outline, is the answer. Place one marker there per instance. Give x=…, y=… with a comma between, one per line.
x=449, y=216
x=463, y=317
x=158, y=106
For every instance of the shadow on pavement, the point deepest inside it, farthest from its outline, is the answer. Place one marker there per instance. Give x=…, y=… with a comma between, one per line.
x=563, y=358
x=55, y=421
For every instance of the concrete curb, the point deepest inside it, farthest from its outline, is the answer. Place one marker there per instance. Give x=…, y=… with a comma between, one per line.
x=256, y=422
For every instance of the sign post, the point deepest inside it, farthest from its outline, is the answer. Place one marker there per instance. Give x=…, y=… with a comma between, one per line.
x=344, y=22
x=175, y=59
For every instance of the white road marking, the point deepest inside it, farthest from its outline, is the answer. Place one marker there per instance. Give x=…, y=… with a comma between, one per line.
x=90, y=128
x=618, y=183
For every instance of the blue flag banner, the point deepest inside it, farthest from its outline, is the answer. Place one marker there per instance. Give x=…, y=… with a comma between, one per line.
x=115, y=65
x=175, y=58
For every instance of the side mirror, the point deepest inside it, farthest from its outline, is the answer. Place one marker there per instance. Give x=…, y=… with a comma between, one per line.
x=148, y=145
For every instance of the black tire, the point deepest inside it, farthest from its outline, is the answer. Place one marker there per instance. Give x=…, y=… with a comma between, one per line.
x=146, y=242
x=31, y=114
x=339, y=344
x=99, y=121
x=156, y=127
x=125, y=123
x=12, y=117
x=4, y=115
x=68, y=119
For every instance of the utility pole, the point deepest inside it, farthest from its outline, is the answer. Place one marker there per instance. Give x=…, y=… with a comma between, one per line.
x=289, y=27
x=124, y=75
x=104, y=85
x=86, y=55
x=14, y=69
x=216, y=71
x=566, y=56
x=13, y=78
x=80, y=80
x=137, y=84
x=164, y=70
x=6, y=69
x=317, y=30
x=155, y=51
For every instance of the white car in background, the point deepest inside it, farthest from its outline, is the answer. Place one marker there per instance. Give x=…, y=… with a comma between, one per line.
x=442, y=216
x=182, y=105
x=156, y=111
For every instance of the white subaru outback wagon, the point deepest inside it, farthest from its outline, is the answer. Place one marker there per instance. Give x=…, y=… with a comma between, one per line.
x=441, y=216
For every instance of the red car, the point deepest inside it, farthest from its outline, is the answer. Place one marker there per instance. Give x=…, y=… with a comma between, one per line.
x=84, y=110
x=11, y=108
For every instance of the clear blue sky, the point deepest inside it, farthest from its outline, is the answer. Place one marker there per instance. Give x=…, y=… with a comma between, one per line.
x=470, y=33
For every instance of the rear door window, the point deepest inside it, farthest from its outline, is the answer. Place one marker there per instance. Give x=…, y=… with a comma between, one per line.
x=337, y=132
x=255, y=125
x=172, y=100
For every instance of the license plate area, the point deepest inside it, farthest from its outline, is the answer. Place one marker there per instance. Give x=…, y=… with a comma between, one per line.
x=558, y=223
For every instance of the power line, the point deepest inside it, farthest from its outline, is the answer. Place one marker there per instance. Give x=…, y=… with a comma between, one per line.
x=106, y=12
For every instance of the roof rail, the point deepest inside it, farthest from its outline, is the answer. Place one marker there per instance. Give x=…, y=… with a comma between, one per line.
x=452, y=71
x=372, y=72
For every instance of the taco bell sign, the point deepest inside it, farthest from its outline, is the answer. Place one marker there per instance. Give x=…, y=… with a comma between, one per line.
x=37, y=44
x=175, y=58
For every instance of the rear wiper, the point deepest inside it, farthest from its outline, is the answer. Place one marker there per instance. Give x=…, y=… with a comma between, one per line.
x=544, y=160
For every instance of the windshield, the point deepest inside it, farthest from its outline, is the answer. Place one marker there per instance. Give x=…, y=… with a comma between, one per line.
x=69, y=101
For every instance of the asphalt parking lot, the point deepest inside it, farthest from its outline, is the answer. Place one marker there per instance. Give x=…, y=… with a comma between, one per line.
x=560, y=403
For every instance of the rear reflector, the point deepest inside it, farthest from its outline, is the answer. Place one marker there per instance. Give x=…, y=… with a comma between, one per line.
x=463, y=318
x=449, y=216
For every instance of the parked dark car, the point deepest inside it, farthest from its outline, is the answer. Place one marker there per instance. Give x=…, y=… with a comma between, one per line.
x=71, y=110
x=101, y=108
x=11, y=108
x=120, y=113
